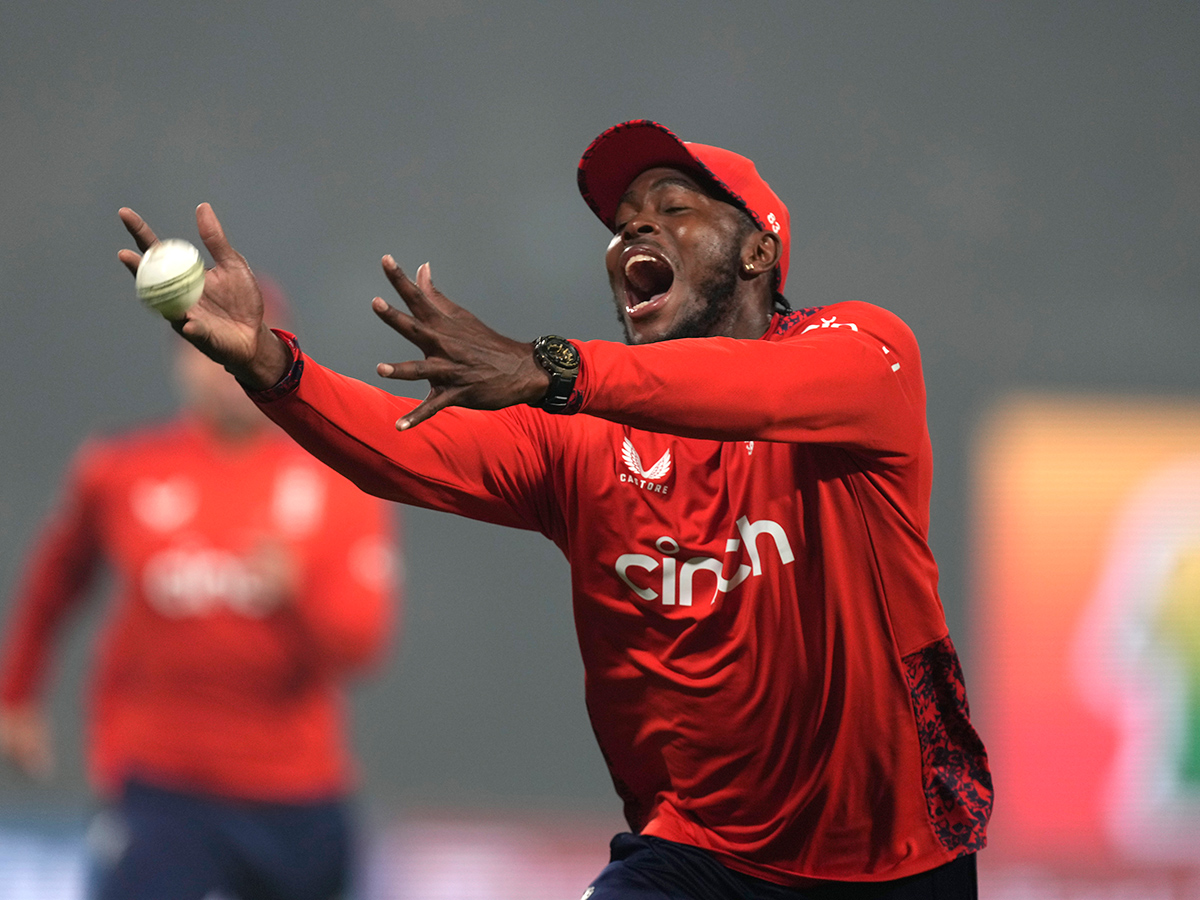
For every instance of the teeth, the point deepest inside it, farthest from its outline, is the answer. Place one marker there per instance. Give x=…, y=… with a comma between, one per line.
x=644, y=302
x=639, y=257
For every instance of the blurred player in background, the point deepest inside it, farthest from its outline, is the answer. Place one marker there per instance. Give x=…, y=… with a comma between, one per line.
x=742, y=491
x=252, y=581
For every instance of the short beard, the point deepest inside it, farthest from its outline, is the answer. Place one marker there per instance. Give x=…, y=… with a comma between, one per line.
x=718, y=289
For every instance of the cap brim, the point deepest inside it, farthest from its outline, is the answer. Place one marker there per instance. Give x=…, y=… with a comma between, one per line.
x=622, y=153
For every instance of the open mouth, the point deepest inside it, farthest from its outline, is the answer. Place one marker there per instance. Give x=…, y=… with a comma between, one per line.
x=648, y=277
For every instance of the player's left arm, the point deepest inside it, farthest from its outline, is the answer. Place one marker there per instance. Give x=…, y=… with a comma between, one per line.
x=856, y=383
x=848, y=376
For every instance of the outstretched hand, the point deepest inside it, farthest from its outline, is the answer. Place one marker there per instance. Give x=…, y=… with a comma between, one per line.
x=466, y=363
x=227, y=322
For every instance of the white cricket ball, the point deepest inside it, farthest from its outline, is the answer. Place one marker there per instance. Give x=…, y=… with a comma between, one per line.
x=171, y=278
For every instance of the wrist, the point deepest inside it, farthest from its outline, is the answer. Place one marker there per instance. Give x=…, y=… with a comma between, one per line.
x=537, y=379
x=272, y=360
x=560, y=361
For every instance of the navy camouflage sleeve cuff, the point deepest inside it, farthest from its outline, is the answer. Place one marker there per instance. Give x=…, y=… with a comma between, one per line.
x=291, y=379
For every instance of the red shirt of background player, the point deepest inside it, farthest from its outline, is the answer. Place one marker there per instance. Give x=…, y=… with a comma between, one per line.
x=250, y=582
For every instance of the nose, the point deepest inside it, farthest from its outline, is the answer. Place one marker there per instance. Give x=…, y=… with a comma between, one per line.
x=642, y=223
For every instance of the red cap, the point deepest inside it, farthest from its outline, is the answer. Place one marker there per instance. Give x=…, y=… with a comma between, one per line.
x=627, y=150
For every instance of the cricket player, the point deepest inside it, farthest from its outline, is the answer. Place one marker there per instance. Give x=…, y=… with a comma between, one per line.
x=251, y=583
x=742, y=493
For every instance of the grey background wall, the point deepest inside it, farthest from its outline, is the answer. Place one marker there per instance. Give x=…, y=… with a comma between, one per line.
x=1019, y=181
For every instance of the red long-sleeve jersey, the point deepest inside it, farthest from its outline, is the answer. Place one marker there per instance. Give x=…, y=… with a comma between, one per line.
x=214, y=675
x=768, y=670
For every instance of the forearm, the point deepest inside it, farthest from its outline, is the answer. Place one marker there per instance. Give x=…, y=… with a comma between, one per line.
x=841, y=393
x=461, y=461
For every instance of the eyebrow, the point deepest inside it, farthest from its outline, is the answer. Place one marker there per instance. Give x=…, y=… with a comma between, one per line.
x=676, y=180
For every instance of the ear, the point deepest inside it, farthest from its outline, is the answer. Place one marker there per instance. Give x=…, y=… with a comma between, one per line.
x=760, y=253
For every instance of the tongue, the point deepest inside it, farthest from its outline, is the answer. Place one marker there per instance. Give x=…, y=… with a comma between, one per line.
x=650, y=277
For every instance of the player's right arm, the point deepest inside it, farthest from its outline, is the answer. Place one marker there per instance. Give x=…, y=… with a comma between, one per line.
x=494, y=466
x=57, y=573
x=473, y=465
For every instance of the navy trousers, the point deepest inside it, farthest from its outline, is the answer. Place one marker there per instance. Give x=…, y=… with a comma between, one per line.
x=649, y=868
x=158, y=843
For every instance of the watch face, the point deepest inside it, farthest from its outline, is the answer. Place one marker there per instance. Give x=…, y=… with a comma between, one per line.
x=560, y=359
x=560, y=353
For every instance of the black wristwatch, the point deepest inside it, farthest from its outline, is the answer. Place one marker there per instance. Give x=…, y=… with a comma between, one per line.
x=559, y=357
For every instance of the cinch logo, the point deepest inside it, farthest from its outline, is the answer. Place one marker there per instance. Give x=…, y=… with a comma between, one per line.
x=641, y=477
x=678, y=579
x=181, y=583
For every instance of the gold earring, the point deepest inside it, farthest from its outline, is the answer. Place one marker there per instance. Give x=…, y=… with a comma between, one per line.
x=749, y=267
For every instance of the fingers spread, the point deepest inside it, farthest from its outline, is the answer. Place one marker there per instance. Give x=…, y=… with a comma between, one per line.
x=422, y=411
x=432, y=370
x=130, y=259
x=425, y=277
x=443, y=303
x=415, y=298
x=143, y=235
x=213, y=235
x=422, y=297
x=399, y=321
